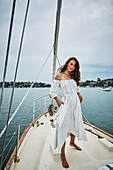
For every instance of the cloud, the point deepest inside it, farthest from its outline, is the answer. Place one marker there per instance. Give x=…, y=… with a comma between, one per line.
x=86, y=32
x=98, y=66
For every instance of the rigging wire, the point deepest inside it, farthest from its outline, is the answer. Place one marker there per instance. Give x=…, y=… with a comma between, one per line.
x=25, y=94
x=23, y=119
x=22, y=102
x=15, y=78
x=9, y=141
x=9, y=150
x=58, y=61
x=7, y=52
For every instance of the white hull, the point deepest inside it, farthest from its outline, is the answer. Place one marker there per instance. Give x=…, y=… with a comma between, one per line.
x=36, y=151
x=107, y=89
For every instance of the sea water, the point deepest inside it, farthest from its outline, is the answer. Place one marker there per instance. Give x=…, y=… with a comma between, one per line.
x=97, y=106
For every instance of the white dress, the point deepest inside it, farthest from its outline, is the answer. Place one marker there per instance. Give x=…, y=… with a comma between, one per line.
x=69, y=114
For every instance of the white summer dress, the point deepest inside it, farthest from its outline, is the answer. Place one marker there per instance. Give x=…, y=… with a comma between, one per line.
x=69, y=114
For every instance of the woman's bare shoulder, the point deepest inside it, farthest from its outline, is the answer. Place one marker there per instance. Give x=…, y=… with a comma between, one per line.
x=58, y=76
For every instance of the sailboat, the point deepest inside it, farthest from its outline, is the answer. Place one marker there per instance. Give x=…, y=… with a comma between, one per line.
x=106, y=87
x=35, y=151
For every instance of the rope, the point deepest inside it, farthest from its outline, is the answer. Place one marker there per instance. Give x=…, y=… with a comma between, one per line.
x=7, y=53
x=101, y=117
x=106, y=126
x=91, y=125
x=15, y=78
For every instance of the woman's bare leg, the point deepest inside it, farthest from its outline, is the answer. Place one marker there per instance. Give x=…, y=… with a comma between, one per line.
x=72, y=143
x=63, y=158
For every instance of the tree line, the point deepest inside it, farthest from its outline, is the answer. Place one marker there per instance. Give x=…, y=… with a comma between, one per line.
x=91, y=83
x=24, y=84
x=98, y=83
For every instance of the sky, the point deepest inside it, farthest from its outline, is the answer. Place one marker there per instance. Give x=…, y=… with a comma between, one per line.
x=86, y=32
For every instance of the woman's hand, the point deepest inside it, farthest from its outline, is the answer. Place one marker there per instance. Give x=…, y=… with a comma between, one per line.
x=59, y=102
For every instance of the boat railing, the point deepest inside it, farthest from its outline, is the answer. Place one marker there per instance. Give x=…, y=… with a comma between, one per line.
x=34, y=105
x=15, y=136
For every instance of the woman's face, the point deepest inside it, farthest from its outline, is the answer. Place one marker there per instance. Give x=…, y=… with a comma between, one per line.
x=71, y=65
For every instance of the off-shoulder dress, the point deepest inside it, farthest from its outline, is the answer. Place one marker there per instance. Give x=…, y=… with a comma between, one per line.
x=69, y=114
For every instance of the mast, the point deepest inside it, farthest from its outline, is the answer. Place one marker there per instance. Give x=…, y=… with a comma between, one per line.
x=55, y=46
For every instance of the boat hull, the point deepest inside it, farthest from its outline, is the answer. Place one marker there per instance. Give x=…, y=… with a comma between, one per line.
x=43, y=139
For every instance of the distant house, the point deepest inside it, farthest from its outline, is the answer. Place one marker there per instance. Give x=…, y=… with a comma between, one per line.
x=92, y=83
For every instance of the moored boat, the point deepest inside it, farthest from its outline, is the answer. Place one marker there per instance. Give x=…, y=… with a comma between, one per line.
x=106, y=88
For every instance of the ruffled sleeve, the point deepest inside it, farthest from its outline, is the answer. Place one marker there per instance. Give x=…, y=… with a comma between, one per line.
x=78, y=89
x=54, y=87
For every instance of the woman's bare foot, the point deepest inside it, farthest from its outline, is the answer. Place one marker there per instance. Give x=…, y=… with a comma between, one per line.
x=75, y=146
x=64, y=162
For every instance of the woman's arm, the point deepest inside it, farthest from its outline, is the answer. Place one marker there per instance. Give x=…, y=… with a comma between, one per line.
x=59, y=102
x=80, y=97
x=53, y=90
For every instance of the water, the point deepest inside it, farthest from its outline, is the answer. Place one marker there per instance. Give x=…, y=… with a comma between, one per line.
x=97, y=107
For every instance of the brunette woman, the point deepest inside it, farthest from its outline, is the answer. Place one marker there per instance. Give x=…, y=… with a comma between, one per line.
x=69, y=119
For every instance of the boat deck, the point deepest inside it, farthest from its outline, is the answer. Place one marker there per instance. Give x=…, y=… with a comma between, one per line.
x=36, y=151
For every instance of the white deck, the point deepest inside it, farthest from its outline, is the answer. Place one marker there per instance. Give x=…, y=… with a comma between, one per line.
x=36, y=151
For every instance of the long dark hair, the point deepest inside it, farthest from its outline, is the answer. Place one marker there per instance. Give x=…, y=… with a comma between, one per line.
x=75, y=74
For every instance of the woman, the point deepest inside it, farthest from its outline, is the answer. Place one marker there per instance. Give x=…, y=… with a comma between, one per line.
x=69, y=114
